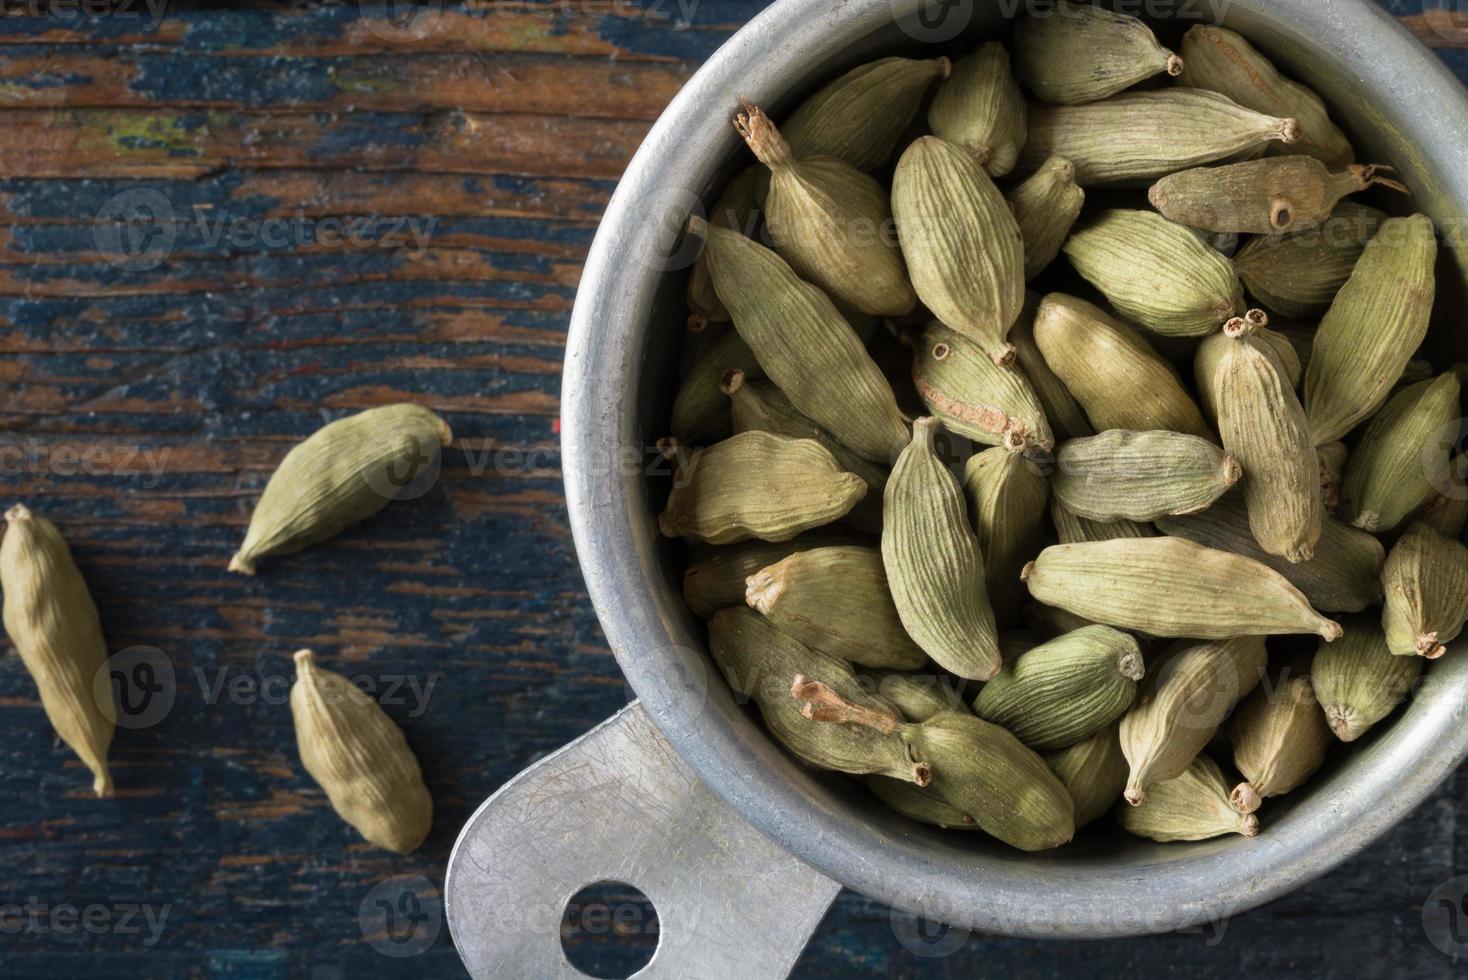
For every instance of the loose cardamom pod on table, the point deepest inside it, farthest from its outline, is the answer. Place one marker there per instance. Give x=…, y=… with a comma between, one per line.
x=1357, y=679
x=981, y=109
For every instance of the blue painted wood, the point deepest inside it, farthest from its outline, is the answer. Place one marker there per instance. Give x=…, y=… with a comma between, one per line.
x=143, y=409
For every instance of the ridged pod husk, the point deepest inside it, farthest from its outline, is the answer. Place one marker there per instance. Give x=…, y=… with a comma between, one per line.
x=829, y=221
x=861, y=116
x=1078, y=53
x=1273, y=196
x=986, y=772
x=758, y=485
x=1373, y=327
x=1332, y=458
x=1426, y=585
x=359, y=757
x=804, y=345
x=760, y=406
x=1446, y=511
x=1299, y=275
x=1065, y=690
x=1141, y=476
x=963, y=246
x=836, y=600
x=1112, y=371
x=1208, y=594
x=763, y=664
x=1344, y=575
x=1066, y=417
x=1357, y=680
x=1156, y=272
x=974, y=397
x=980, y=108
x=1280, y=738
x=917, y=696
x=1220, y=60
x=1046, y=207
x=715, y=576
x=341, y=474
x=1007, y=495
x=737, y=208
x=1135, y=138
x=919, y=803
x=52, y=621
x=1278, y=347
x=1263, y=424
x=1180, y=705
x=700, y=408
x=1094, y=772
x=1193, y=805
x=1396, y=468
x=1074, y=529
x=934, y=566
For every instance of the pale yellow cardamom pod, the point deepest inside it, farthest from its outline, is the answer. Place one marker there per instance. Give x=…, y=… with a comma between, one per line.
x=1426, y=583
x=1357, y=679
x=1077, y=53
x=342, y=474
x=1273, y=344
x=1046, y=207
x=1007, y=497
x=1193, y=805
x=980, y=108
x=715, y=577
x=51, y=619
x=359, y=757
x=1094, y=771
x=990, y=403
x=1141, y=476
x=1280, y=737
x=1299, y=275
x=1073, y=529
x=1065, y=416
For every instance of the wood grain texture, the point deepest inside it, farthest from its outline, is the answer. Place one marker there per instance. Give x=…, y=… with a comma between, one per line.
x=143, y=408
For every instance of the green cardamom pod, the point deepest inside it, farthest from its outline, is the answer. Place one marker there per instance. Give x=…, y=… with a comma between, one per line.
x=759, y=405
x=1263, y=424
x=1394, y=470
x=1078, y=53
x=830, y=221
x=861, y=116
x=1135, y=138
x=1273, y=196
x=1300, y=274
x=1094, y=772
x=1278, y=347
x=1112, y=371
x=961, y=241
x=919, y=803
x=973, y=396
x=835, y=600
x=737, y=208
x=980, y=108
x=934, y=565
x=1046, y=207
x=1066, y=418
x=1446, y=511
x=1358, y=681
x=700, y=335
x=1141, y=476
x=1343, y=576
x=1280, y=738
x=700, y=409
x=1426, y=585
x=765, y=665
x=1332, y=458
x=1007, y=497
x=1220, y=60
x=804, y=344
x=1193, y=805
x=1071, y=528
x=715, y=576
x=341, y=474
x=1065, y=690
x=1373, y=327
x=1156, y=272
x=1209, y=594
x=758, y=485
x=51, y=619
x=1184, y=699
x=917, y=696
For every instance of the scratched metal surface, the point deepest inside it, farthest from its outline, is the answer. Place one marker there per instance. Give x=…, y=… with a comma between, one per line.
x=143, y=404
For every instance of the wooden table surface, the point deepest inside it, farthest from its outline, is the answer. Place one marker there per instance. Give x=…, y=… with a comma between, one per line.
x=347, y=216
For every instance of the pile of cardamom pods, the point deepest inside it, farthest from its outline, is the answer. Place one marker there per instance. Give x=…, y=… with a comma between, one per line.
x=1192, y=443
x=342, y=474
